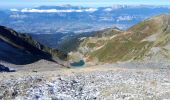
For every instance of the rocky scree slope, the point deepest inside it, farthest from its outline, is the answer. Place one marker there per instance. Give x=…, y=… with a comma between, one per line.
x=87, y=84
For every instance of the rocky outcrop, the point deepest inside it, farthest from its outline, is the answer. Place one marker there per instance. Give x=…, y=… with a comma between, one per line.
x=5, y=69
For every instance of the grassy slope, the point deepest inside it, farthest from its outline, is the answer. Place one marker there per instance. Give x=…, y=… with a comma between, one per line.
x=131, y=44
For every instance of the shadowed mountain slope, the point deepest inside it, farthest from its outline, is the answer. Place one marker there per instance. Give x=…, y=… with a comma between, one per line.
x=20, y=48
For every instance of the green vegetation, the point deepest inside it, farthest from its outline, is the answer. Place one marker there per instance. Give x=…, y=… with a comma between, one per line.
x=147, y=39
x=121, y=51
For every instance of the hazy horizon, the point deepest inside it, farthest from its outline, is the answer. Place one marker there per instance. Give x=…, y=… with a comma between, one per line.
x=87, y=3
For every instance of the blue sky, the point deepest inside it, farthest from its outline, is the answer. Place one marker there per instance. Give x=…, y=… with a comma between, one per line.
x=92, y=3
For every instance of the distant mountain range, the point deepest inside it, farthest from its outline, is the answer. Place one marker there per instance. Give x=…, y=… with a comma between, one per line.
x=75, y=19
x=64, y=22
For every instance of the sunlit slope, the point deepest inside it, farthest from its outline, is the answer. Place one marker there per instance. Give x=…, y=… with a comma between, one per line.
x=149, y=40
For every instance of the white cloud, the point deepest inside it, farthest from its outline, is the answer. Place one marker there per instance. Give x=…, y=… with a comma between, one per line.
x=125, y=18
x=91, y=10
x=14, y=10
x=37, y=10
x=108, y=9
x=58, y=11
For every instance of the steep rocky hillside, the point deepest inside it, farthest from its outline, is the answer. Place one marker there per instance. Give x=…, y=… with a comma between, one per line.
x=93, y=42
x=148, y=40
x=20, y=48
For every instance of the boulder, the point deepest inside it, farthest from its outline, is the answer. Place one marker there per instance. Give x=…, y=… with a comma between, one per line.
x=5, y=69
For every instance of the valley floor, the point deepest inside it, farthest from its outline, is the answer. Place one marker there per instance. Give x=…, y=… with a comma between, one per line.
x=105, y=82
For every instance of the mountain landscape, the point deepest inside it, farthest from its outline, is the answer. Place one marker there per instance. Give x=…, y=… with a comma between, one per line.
x=139, y=54
x=20, y=48
x=147, y=40
x=121, y=52
x=51, y=25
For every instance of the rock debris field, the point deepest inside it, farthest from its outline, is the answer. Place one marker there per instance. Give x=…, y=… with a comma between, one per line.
x=89, y=83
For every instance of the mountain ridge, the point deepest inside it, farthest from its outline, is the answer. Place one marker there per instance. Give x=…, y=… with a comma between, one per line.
x=147, y=40
x=25, y=43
